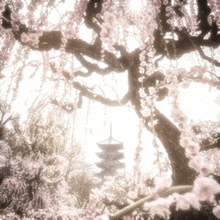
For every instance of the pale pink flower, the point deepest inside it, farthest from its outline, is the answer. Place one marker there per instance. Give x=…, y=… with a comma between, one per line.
x=184, y=141
x=173, y=92
x=185, y=85
x=141, y=70
x=31, y=8
x=39, y=32
x=102, y=217
x=160, y=207
x=2, y=4
x=151, y=90
x=185, y=201
x=5, y=56
x=8, y=43
x=14, y=16
x=128, y=217
x=216, y=211
x=110, y=18
x=196, y=163
x=205, y=188
x=192, y=148
x=24, y=38
x=34, y=38
x=15, y=27
x=205, y=171
x=146, y=112
x=132, y=195
x=19, y=5
x=182, y=118
x=162, y=183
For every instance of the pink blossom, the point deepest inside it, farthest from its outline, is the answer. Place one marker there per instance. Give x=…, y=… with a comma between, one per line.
x=192, y=148
x=185, y=141
x=8, y=43
x=216, y=211
x=162, y=183
x=160, y=207
x=34, y=38
x=185, y=85
x=102, y=217
x=128, y=217
x=132, y=195
x=19, y=5
x=205, y=170
x=185, y=201
x=31, y=8
x=173, y=92
x=198, y=164
x=5, y=56
x=24, y=38
x=14, y=16
x=110, y=18
x=205, y=188
x=15, y=27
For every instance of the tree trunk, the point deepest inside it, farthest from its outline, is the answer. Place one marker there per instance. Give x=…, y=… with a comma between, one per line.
x=165, y=130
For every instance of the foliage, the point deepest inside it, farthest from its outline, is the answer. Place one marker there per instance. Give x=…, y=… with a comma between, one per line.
x=143, y=41
x=37, y=183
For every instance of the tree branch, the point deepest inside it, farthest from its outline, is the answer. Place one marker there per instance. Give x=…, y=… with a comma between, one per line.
x=93, y=67
x=211, y=60
x=53, y=40
x=207, y=144
x=96, y=97
x=93, y=8
x=127, y=210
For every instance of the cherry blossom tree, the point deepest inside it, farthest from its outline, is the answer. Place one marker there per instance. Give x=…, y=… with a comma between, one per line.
x=87, y=40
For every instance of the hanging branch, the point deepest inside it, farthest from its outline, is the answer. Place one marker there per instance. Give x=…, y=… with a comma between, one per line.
x=84, y=91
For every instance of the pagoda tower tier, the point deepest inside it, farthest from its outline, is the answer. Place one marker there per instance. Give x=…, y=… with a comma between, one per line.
x=110, y=157
x=110, y=164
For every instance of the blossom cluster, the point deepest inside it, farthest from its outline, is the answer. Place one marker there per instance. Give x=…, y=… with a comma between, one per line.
x=108, y=31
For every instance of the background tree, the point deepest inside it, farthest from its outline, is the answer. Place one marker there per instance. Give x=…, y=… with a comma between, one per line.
x=39, y=177
x=164, y=30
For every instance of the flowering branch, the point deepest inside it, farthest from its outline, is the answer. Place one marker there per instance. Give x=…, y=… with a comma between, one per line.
x=127, y=210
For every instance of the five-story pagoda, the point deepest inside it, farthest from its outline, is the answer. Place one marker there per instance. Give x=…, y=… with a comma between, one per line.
x=110, y=156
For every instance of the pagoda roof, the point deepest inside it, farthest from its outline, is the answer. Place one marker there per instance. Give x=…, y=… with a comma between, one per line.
x=110, y=143
x=110, y=155
x=107, y=164
x=110, y=140
x=104, y=173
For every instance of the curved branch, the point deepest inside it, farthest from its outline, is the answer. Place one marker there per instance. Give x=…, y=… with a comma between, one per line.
x=127, y=210
x=96, y=97
x=53, y=40
x=93, y=8
x=93, y=67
